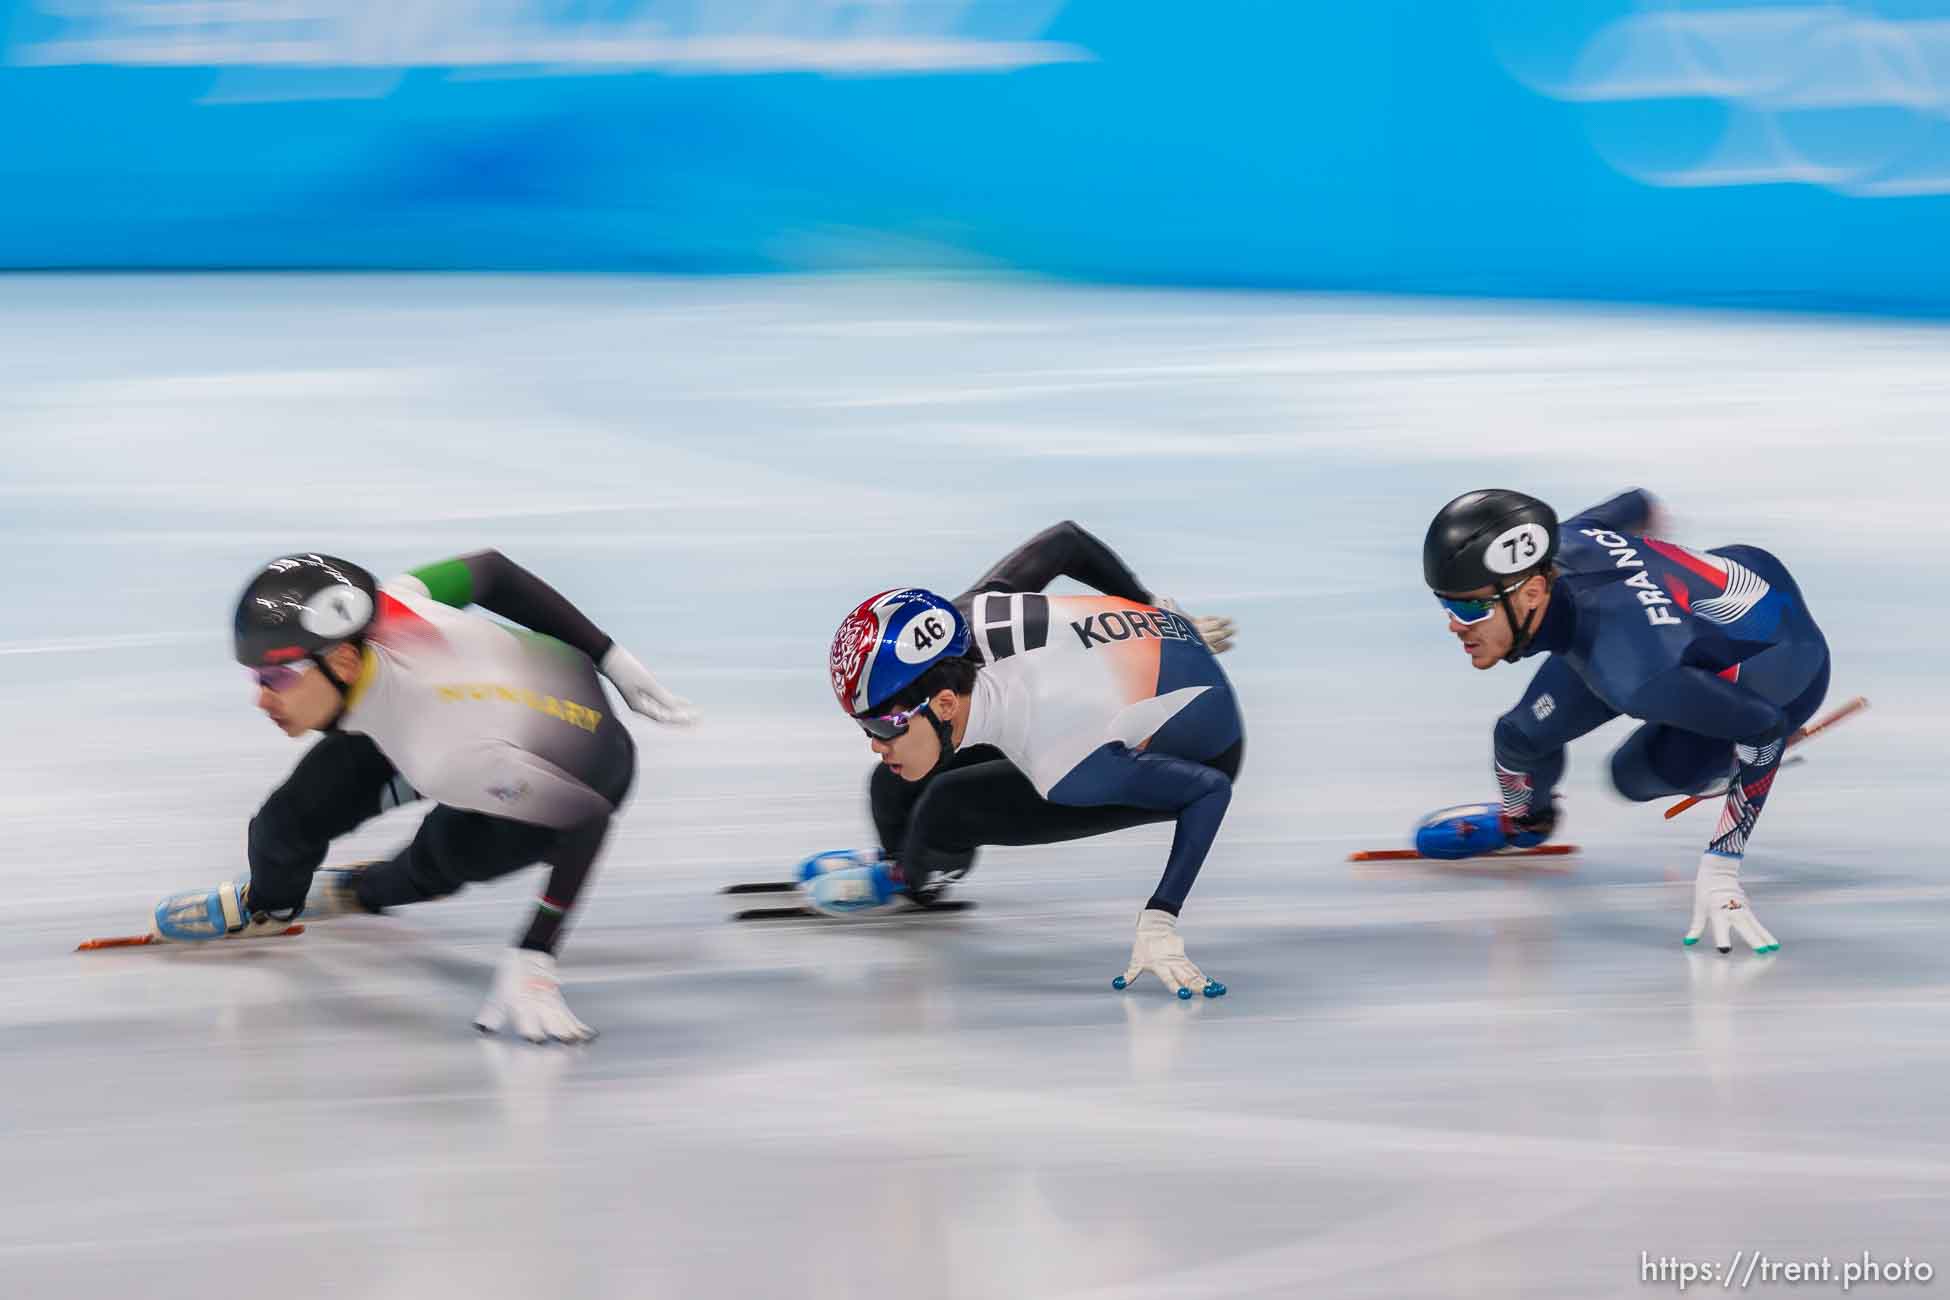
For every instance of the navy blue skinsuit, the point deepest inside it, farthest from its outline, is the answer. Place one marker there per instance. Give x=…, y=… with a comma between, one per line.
x=1715, y=651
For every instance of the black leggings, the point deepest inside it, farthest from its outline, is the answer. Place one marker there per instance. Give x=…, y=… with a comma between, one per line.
x=344, y=780
x=978, y=797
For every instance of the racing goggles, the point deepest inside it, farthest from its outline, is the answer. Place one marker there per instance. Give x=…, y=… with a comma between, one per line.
x=281, y=677
x=1468, y=610
x=888, y=726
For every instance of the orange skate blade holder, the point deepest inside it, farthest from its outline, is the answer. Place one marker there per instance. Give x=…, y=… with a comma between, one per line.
x=1410, y=855
x=146, y=940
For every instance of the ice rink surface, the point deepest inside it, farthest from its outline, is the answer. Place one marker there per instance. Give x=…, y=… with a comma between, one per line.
x=1424, y=1083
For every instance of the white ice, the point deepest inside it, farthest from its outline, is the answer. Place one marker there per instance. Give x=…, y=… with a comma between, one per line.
x=1424, y=1083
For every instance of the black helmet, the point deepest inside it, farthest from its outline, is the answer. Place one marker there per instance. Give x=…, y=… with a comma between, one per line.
x=1486, y=538
x=300, y=606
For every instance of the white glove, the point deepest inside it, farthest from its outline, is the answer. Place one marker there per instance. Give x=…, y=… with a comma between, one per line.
x=643, y=692
x=1159, y=950
x=1719, y=900
x=1215, y=630
x=527, y=996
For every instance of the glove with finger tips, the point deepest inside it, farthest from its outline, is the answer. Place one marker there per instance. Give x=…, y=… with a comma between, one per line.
x=1158, y=949
x=1720, y=904
x=1216, y=630
x=643, y=692
x=527, y=998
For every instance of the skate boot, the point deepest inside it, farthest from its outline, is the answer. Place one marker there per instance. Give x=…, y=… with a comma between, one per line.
x=848, y=882
x=1472, y=830
x=199, y=915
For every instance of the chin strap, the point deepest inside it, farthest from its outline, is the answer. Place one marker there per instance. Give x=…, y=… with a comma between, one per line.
x=945, y=732
x=1520, y=633
x=318, y=660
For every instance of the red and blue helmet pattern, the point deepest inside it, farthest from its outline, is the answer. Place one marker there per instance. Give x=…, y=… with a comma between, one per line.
x=888, y=641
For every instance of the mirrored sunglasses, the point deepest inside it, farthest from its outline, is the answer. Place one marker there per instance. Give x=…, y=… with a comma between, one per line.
x=887, y=726
x=281, y=677
x=1467, y=611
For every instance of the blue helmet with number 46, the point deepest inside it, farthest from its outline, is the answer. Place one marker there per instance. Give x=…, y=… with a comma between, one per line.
x=888, y=641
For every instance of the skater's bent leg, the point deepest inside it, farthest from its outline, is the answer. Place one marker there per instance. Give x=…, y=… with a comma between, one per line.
x=893, y=799
x=453, y=848
x=1657, y=761
x=1803, y=706
x=1193, y=795
x=992, y=802
x=1756, y=721
x=339, y=783
x=1691, y=746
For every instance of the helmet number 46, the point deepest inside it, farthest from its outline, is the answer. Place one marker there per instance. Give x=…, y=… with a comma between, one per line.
x=928, y=631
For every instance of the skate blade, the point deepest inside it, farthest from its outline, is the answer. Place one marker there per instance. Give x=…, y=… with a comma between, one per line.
x=809, y=914
x=146, y=940
x=1410, y=855
x=776, y=914
x=762, y=887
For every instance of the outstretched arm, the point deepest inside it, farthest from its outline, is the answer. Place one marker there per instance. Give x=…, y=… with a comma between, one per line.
x=1064, y=550
x=500, y=586
x=1631, y=511
x=1197, y=797
x=527, y=996
x=1067, y=550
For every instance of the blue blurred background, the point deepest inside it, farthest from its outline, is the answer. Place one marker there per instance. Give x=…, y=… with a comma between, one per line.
x=1717, y=153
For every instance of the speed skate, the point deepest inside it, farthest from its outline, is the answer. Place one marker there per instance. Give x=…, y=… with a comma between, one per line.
x=801, y=910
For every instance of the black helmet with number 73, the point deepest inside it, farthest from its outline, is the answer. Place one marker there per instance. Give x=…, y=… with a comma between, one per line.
x=1492, y=538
